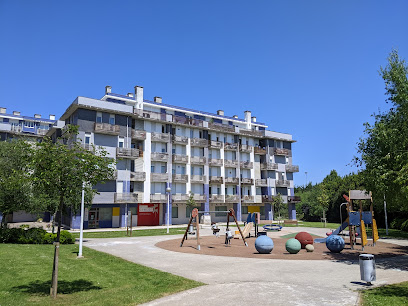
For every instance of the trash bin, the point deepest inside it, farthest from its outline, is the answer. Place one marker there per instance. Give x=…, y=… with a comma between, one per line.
x=367, y=267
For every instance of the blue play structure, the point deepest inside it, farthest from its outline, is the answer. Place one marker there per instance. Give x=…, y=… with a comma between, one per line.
x=335, y=243
x=264, y=244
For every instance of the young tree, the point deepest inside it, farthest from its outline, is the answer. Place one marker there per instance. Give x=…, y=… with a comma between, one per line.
x=60, y=170
x=277, y=203
x=324, y=201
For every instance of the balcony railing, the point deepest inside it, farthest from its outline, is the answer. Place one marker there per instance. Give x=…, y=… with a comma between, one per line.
x=127, y=197
x=127, y=152
x=180, y=197
x=16, y=128
x=247, y=181
x=230, y=163
x=294, y=199
x=149, y=115
x=215, y=144
x=197, y=160
x=221, y=127
x=269, y=166
x=246, y=165
x=231, y=198
x=160, y=137
x=139, y=135
x=282, y=183
x=180, y=140
x=159, y=177
x=230, y=146
x=217, y=198
x=261, y=183
x=245, y=148
x=280, y=151
x=232, y=180
x=187, y=121
x=197, y=179
x=247, y=199
x=178, y=158
x=215, y=162
x=137, y=176
x=180, y=178
x=155, y=156
x=216, y=179
x=199, y=198
x=292, y=168
x=251, y=133
x=267, y=198
x=42, y=131
x=259, y=150
x=105, y=128
x=199, y=142
x=158, y=198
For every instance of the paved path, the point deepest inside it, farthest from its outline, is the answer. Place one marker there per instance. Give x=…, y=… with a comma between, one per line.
x=249, y=281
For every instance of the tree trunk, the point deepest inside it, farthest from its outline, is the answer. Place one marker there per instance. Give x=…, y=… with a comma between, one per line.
x=54, y=281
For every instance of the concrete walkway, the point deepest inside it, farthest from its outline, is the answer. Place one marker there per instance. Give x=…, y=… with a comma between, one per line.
x=249, y=281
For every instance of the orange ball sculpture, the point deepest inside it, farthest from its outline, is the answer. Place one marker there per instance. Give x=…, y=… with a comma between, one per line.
x=304, y=238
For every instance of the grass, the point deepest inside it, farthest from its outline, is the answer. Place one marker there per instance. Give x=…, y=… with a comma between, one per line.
x=135, y=233
x=387, y=295
x=98, y=279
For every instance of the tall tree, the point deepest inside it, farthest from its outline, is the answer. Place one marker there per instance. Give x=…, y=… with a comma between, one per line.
x=61, y=170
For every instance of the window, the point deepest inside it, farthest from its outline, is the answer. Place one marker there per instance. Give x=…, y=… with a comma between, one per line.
x=163, y=169
x=174, y=212
x=98, y=117
x=133, y=210
x=244, y=210
x=29, y=124
x=87, y=138
x=152, y=169
x=262, y=210
x=112, y=119
x=121, y=143
x=220, y=208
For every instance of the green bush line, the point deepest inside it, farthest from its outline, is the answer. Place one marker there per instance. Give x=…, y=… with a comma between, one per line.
x=35, y=235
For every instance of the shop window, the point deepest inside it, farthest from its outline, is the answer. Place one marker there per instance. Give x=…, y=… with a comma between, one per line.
x=174, y=212
x=220, y=208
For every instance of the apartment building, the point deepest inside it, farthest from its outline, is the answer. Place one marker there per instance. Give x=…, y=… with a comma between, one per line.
x=220, y=161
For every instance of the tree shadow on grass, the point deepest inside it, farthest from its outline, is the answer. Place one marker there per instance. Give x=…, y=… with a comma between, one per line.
x=64, y=287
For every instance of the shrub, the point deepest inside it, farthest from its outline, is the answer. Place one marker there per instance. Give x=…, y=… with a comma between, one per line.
x=397, y=223
x=65, y=238
x=404, y=226
x=33, y=236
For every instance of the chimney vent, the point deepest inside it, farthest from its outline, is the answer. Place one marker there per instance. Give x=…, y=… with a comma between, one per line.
x=253, y=119
x=52, y=117
x=139, y=94
x=3, y=110
x=220, y=112
x=108, y=89
x=235, y=117
x=37, y=116
x=130, y=95
x=158, y=99
x=16, y=113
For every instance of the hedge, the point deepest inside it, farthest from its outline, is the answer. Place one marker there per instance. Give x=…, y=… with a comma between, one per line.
x=35, y=235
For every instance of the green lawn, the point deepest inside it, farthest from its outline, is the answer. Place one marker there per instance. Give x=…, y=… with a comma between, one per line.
x=98, y=279
x=387, y=295
x=135, y=233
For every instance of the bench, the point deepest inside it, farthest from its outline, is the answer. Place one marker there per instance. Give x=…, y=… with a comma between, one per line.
x=290, y=222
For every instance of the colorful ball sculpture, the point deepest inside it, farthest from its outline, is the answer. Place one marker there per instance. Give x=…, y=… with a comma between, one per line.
x=335, y=243
x=264, y=244
x=293, y=246
x=304, y=239
x=309, y=247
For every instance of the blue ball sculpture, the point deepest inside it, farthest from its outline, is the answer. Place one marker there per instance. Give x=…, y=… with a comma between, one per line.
x=335, y=243
x=264, y=244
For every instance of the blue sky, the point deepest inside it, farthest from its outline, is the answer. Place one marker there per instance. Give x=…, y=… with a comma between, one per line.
x=309, y=68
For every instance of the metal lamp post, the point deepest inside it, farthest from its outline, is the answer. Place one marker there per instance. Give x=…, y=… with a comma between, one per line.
x=81, y=231
x=168, y=190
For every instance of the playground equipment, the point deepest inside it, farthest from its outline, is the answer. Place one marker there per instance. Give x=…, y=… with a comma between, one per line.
x=194, y=215
x=309, y=248
x=264, y=244
x=304, y=238
x=293, y=246
x=335, y=243
x=357, y=220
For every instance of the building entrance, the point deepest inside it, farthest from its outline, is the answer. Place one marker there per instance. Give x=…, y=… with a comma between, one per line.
x=93, y=218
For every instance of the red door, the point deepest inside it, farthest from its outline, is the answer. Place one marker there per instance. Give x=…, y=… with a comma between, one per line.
x=148, y=214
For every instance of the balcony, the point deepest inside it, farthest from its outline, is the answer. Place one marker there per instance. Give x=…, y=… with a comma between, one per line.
x=294, y=199
x=230, y=163
x=140, y=113
x=187, y=121
x=199, y=198
x=199, y=142
x=127, y=152
x=269, y=166
x=221, y=127
x=137, y=176
x=246, y=165
x=215, y=144
x=282, y=183
x=216, y=162
x=178, y=198
x=159, y=177
x=247, y=181
x=88, y=146
x=160, y=137
x=259, y=150
x=138, y=135
x=230, y=146
x=181, y=159
x=267, y=198
x=232, y=181
x=180, y=140
x=261, y=183
x=16, y=128
x=216, y=180
x=42, y=132
x=197, y=179
x=163, y=157
x=251, y=133
x=197, y=160
x=292, y=168
x=245, y=148
x=105, y=128
x=247, y=199
x=158, y=198
x=214, y=198
x=279, y=151
x=127, y=197
x=180, y=178
x=229, y=198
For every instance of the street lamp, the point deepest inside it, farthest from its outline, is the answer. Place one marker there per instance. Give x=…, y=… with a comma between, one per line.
x=168, y=190
x=81, y=231
x=306, y=179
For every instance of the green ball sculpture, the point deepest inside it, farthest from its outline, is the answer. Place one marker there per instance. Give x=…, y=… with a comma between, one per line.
x=293, y=246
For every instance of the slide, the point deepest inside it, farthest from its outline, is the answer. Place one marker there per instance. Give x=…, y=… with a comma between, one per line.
x=246, y=231
x=335, y=232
